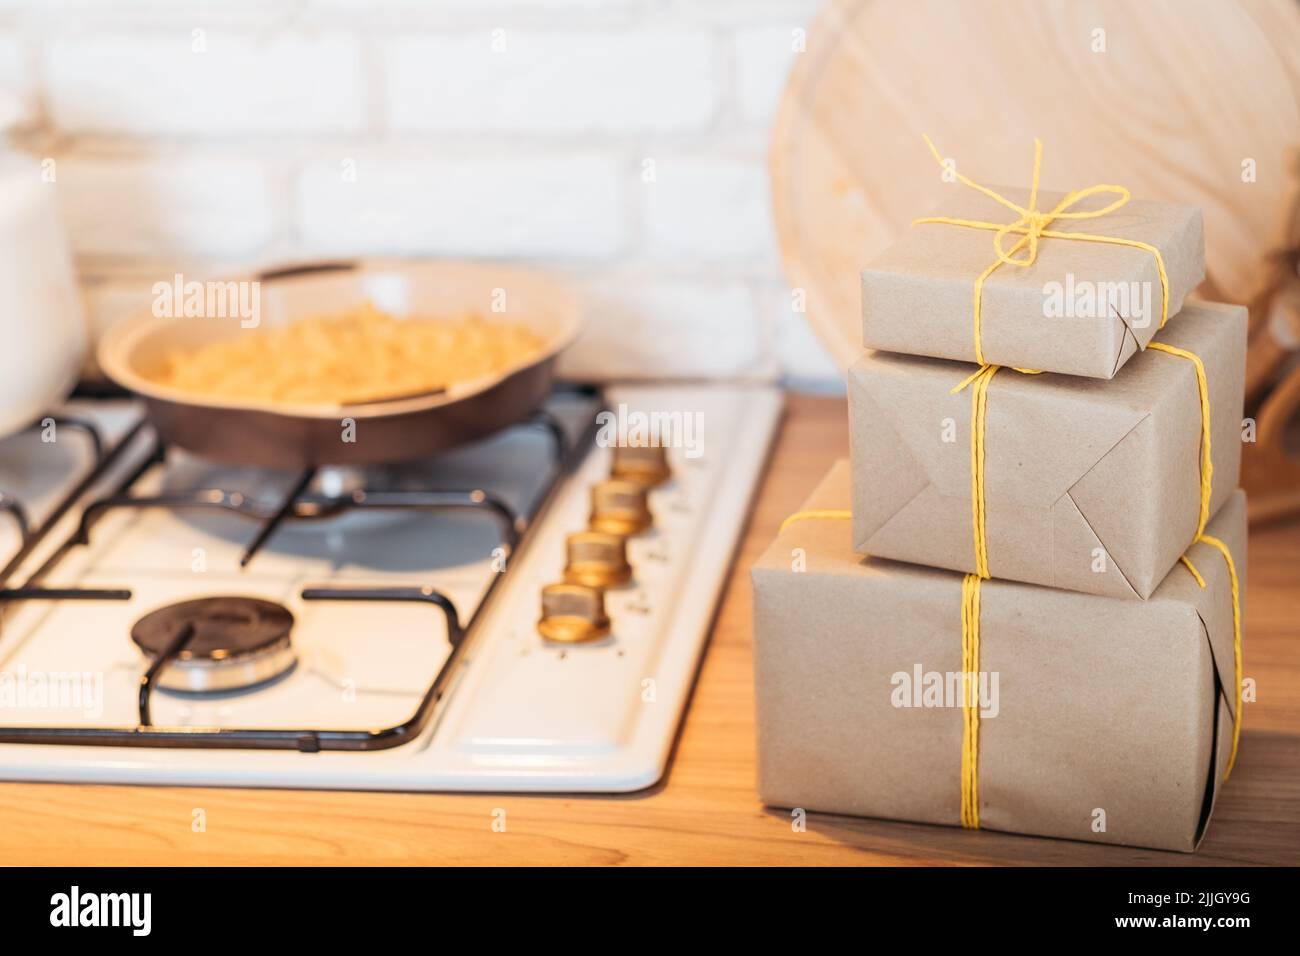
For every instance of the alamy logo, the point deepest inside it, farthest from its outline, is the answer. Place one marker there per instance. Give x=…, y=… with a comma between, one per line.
x=623, y=427
x=75, y=908
x=209, y=300
x=922, y=688
x=1082, y=299
x=82, y=691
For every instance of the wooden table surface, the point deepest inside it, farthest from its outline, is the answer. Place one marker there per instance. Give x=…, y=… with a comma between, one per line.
x=705, y=811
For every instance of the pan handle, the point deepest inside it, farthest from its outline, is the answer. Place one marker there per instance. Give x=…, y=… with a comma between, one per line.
x=310, y=268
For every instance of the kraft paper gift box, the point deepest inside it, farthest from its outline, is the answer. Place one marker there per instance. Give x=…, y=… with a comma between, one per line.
x=1082, y=308
x=1088, y=485
x=1106, y=719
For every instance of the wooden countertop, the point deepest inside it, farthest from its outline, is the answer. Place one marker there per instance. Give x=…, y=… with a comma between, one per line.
x=706, y=810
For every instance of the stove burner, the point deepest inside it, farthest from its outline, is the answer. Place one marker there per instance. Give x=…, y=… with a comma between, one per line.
x=238, y=643
x=226, y=645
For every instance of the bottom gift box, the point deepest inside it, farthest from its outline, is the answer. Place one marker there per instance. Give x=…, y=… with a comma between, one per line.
x=899, y=691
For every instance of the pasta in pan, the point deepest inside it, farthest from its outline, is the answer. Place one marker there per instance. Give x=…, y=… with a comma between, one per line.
x=357, y=356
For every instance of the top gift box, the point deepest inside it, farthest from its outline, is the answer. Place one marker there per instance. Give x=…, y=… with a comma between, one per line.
x=1075, y=283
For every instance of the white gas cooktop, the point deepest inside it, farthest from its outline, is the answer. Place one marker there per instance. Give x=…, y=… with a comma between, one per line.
x=511, y=711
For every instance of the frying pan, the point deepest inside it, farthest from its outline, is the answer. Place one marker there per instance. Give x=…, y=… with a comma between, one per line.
x=284, y=435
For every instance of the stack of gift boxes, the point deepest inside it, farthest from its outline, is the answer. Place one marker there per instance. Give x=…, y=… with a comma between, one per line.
x=1018, y=605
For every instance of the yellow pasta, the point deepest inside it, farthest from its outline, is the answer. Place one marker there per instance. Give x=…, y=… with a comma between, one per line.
x=360, y=355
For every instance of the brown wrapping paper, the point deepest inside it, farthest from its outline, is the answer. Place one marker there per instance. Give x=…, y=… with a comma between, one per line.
x=917, y=297
x=1114, y=717
x=1089, y=485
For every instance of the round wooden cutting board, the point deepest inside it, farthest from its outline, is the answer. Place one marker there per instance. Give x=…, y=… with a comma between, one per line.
x=1173, y=100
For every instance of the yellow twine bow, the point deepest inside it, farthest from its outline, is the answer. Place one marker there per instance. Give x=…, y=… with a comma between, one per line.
x=1031, y=225
x=1207, y=489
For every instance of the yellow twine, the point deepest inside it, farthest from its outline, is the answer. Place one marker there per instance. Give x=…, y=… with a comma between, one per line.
x=970, y=665
x=1207, y=489
x=1236, y=643
x=980, y=378
x=805, y=515
x=1203, y=393
x=979, y=402
x=1200, y=581
x=970, y=715
x=1032, y=225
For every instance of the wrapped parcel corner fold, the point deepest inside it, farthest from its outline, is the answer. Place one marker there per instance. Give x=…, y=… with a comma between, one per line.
x=1089, y=485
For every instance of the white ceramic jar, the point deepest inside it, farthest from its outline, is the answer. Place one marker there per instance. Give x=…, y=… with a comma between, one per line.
x=42, y=325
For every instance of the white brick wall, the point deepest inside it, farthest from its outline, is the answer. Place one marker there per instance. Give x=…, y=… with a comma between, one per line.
x=131, y=209
x=804, y=361
x=653, y=326
x=526, y=206
x=16, y=77
x=204, y=83
x=706, y=209
x=622, y=144
x=763, y=57
x=506, y=80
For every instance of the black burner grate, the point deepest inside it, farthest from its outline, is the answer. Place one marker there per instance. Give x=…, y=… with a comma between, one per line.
x=297, y=505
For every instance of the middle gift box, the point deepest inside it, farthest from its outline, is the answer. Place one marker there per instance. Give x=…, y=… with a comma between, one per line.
x=1074, y=483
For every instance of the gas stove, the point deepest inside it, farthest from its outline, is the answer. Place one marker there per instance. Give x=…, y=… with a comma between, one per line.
x=523, y=614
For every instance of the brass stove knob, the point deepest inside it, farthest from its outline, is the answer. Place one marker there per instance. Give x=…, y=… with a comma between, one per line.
x=644, y=464
x=619, y=507
x=597, y=559
x=573, y=614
